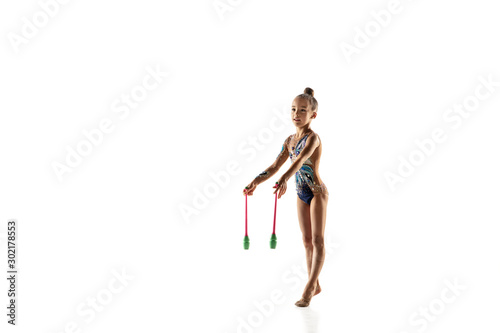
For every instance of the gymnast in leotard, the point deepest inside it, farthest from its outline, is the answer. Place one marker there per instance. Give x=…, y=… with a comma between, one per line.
x=304, y=151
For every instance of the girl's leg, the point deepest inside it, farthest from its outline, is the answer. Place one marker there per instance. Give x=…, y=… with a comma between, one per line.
x=318, y=222
x=304, y=215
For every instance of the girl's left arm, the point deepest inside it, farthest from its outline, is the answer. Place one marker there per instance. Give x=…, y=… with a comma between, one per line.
x=308, y=150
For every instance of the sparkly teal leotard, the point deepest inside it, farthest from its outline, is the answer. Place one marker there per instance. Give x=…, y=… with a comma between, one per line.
x=305, y=184
x=306, y=181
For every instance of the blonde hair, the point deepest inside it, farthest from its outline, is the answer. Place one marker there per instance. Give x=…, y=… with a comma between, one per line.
x=309, y=96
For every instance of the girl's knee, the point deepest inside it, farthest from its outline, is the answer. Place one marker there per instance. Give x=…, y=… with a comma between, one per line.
x=318, y=241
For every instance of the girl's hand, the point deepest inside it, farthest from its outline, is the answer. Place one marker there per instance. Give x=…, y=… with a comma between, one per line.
x=280, y=187
x=249, y=189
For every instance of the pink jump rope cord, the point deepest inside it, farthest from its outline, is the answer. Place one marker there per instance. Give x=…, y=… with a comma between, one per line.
x=246, y=219
x=246, y=213
x=275, y=204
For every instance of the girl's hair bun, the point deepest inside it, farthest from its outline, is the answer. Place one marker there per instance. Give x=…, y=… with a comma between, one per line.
x=309, y=91
x=308, y=94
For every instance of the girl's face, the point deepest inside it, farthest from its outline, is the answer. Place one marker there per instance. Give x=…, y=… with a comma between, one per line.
x=301, y=112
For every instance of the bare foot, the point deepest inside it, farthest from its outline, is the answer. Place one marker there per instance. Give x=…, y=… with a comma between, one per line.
x=318, y=288
x=306, y=297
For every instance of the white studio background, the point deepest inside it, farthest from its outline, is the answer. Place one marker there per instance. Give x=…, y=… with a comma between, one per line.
x=420, y=255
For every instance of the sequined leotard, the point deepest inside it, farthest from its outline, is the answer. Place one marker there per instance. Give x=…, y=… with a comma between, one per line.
x=307, y=181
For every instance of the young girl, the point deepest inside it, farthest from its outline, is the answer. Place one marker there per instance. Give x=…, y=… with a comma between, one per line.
x=304, y=150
